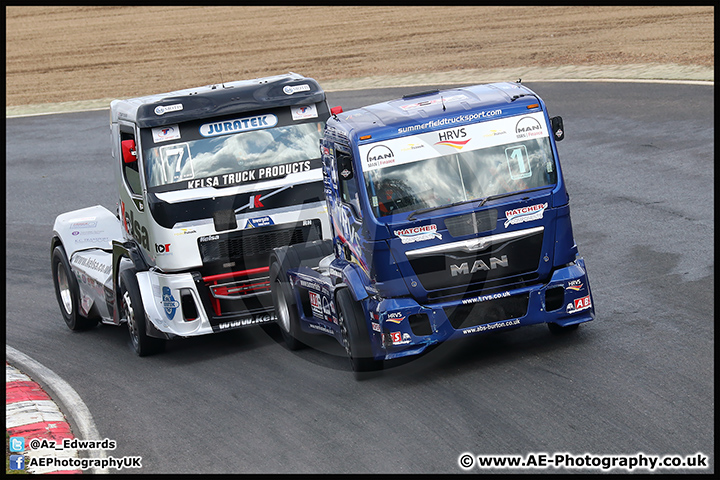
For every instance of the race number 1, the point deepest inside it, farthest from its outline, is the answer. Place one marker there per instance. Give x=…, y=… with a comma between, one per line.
x=518, y=162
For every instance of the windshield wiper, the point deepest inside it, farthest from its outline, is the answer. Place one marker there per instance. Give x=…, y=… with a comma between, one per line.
x=482, y=202
x=430, y=209
x=503, y=195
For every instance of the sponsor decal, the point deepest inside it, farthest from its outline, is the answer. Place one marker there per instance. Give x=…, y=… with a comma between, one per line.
x=185, y=231
x=491, y=326
x=255, y=202
x=162, y=109
x=375, y=327
x=451, y=138
x=395, y=317
x=528, y=127
x=166, y=133
x=84, y=223
x=94, y=240
x=322, y=328
x=525, y=214
x=579, y=304
x=495, y=133
x=133, y=228
x=326, y=307
x=380, y=155
x=92, y=264
x=304, y=111
x=87, y=303
x=458, y=144
x=485, y=298
x=449, y=121
x=244, y=322
x=209, y=238
x=316, y=305
x=259, y=222
x=412, y=146
x=575, y=285
x=169, y=303
x=263, y=173
x=162, y=248
x=400, y=338
x=246, y=124
x=418, y=234
x=290, y=89
x=311, y=285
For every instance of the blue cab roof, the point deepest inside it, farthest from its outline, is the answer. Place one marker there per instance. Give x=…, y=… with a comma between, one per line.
x=384, y=120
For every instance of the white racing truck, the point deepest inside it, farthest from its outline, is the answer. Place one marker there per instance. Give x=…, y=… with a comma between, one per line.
x=209, y=181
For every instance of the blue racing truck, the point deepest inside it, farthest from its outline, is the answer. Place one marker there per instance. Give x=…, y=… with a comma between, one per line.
x=449, y=218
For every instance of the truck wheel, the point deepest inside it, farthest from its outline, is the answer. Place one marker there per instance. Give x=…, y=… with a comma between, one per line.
x=67, y=292
x=285, y=307
x=559, y=330
x=132, y=310
x=355, y=336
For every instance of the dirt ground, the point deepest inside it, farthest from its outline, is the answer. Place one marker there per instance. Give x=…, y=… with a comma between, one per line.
x=67, y=54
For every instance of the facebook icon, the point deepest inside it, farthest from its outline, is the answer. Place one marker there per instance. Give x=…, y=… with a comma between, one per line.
x=17, y=462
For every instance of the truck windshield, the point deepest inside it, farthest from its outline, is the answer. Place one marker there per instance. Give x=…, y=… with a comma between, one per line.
x=230, y=159
x=457, y=165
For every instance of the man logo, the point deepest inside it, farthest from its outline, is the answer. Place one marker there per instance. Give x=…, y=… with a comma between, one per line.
x=528, y=127
x=464, y=269
x=380, y=154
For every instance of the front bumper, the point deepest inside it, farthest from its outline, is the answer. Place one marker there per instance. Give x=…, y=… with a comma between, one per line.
x=184, y=304
x=402, y=327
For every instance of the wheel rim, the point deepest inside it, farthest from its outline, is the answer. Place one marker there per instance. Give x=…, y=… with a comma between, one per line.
x=282, y=308
x=64, y=290
x=130, y=314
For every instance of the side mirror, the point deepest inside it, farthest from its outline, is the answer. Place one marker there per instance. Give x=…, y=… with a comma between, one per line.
x=129, y=153
x=557, y=127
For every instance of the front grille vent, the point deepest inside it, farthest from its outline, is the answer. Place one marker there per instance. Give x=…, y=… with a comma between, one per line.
x=472, y=223
x=250, y=248
x=482, y=313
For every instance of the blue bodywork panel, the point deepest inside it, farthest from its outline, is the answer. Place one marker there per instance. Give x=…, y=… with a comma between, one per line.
x=454, y=268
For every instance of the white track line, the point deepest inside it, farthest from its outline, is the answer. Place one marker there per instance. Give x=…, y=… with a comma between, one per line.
x=72, y=404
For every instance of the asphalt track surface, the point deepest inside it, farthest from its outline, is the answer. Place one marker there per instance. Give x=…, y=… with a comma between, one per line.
x=639, y=165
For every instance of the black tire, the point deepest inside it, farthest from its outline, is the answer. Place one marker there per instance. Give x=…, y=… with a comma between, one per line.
x=133, y=311
x=355, y=335
x=560, y=330
x=305, y=254
x=67, y=292
x=285, y=307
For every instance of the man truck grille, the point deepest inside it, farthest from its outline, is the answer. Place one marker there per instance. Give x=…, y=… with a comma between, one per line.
x=508, y=261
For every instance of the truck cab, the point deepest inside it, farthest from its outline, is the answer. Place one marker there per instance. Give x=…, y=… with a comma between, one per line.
x=209, y=180
x=450, y=217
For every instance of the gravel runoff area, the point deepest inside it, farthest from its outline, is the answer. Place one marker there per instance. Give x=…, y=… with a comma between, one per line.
x=61, y=59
